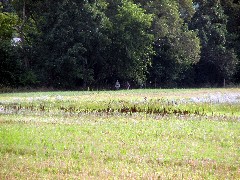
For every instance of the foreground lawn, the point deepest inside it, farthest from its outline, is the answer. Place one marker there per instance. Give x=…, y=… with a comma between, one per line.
x=50, y=143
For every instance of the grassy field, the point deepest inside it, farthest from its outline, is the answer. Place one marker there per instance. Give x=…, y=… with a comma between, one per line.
x=134, y=134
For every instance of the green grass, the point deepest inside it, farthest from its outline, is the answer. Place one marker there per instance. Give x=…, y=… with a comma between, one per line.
x=53, y=144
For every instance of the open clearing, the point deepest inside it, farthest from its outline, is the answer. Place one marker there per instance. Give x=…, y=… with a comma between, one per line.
x=126, y=134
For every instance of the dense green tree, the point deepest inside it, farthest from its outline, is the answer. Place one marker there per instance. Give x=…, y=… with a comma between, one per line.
x=89, y=42
x=176, y=47
x=21, y=52
x=65, y=48
x=232, y=10
x=218, y=61
x=186, y=9
x=130, y=48
x=68, y=44
x=9, y=65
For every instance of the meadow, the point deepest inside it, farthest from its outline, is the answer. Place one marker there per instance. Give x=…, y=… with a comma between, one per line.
x=125, y=134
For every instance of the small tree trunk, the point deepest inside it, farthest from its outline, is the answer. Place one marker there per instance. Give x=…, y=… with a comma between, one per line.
x=26, y=61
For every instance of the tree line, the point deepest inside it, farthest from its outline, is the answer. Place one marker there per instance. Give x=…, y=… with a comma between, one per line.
x=93, y=43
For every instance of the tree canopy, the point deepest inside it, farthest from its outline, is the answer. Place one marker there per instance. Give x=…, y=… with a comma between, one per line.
x=79, y=44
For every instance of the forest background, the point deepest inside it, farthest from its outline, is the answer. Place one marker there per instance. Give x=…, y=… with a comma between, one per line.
x=92, y=43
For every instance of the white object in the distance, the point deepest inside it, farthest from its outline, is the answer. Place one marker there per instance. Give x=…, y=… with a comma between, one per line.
x=16, y=41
